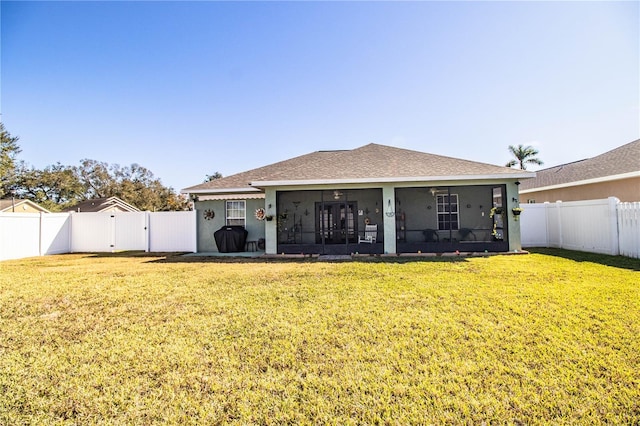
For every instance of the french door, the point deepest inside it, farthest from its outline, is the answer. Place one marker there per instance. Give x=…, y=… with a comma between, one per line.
x=335, y=223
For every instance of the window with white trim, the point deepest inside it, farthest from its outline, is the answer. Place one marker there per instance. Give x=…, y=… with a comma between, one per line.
x=236, y=213
x=447, y=210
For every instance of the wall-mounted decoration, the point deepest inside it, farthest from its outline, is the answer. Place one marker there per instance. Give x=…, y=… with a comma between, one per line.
x=260, y=214
x=209, y=214
x=390, y=212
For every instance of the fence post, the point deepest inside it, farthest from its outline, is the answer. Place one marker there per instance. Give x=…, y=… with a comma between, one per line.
x=40, y=235
x=613, y=225
x=69, y=232
x=546, y=222
x=559, y=219
x=147, y=221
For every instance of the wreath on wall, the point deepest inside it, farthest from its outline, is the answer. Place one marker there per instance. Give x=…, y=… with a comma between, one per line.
x=260, y=214
x=494, y=211
x=209, y=214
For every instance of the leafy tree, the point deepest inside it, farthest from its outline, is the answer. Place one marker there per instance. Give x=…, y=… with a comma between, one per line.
x=523, y=155
x=9, y=149
x=96, y=178
x=134, y=184
x=216, y=175
x=56, y=187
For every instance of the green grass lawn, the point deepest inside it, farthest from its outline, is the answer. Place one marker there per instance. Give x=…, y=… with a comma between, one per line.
x=550, y=337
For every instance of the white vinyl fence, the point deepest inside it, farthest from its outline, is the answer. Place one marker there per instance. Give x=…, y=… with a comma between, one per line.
x=26, y=235
x=180, y=231
x=629, y=227
x=597, y=226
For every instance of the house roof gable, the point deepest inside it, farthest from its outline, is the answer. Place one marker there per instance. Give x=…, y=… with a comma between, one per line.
x=7, y=204
x=101, y=204
x=372, y=162
x=621, y=161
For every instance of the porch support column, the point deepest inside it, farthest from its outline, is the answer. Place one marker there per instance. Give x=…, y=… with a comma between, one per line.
x=270, y=227
x=513, y=200
x=388, y=194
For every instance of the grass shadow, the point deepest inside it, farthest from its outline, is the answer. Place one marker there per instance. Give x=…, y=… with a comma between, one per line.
x=179, y=258
x=579, y=256
x=133, y=253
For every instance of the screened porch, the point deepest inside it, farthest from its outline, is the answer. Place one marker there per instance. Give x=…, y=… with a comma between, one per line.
x=422, y=219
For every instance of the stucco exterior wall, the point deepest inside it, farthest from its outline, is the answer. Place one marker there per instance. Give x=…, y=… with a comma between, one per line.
x=626, y=190
x=206, y=227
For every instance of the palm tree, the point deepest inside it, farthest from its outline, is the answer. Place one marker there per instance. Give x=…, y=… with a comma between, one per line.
x=524, y=155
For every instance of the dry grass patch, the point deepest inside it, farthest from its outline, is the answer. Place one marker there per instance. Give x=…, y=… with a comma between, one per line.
x=126, y=340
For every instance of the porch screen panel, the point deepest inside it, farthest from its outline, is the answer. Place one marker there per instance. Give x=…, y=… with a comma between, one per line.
x=350, y=220
x=447, y=211
x=326, y=221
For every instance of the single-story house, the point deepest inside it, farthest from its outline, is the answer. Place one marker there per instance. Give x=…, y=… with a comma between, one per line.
x=615, y=173
x=106, y=204
x=14, y=205
x=373, y=199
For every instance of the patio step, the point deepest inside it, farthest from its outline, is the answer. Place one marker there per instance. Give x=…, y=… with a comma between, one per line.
x=334, y=257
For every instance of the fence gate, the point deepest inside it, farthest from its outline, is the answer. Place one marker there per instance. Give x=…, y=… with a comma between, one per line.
x=105, y=232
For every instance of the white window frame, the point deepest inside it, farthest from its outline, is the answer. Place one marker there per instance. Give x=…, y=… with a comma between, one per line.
x=236, y=213
x=442, y=209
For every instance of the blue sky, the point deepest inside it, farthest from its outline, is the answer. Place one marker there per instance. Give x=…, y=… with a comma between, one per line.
x=190, y=88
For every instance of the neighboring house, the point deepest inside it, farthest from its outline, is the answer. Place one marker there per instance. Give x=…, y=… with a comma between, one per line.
x=20, y=206
x=615, y=173
x=321, y=202
x=108, y=204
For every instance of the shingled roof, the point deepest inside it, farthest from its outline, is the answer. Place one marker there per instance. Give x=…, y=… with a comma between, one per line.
x=369, y=163
x=620, y=161
x=96, y=205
